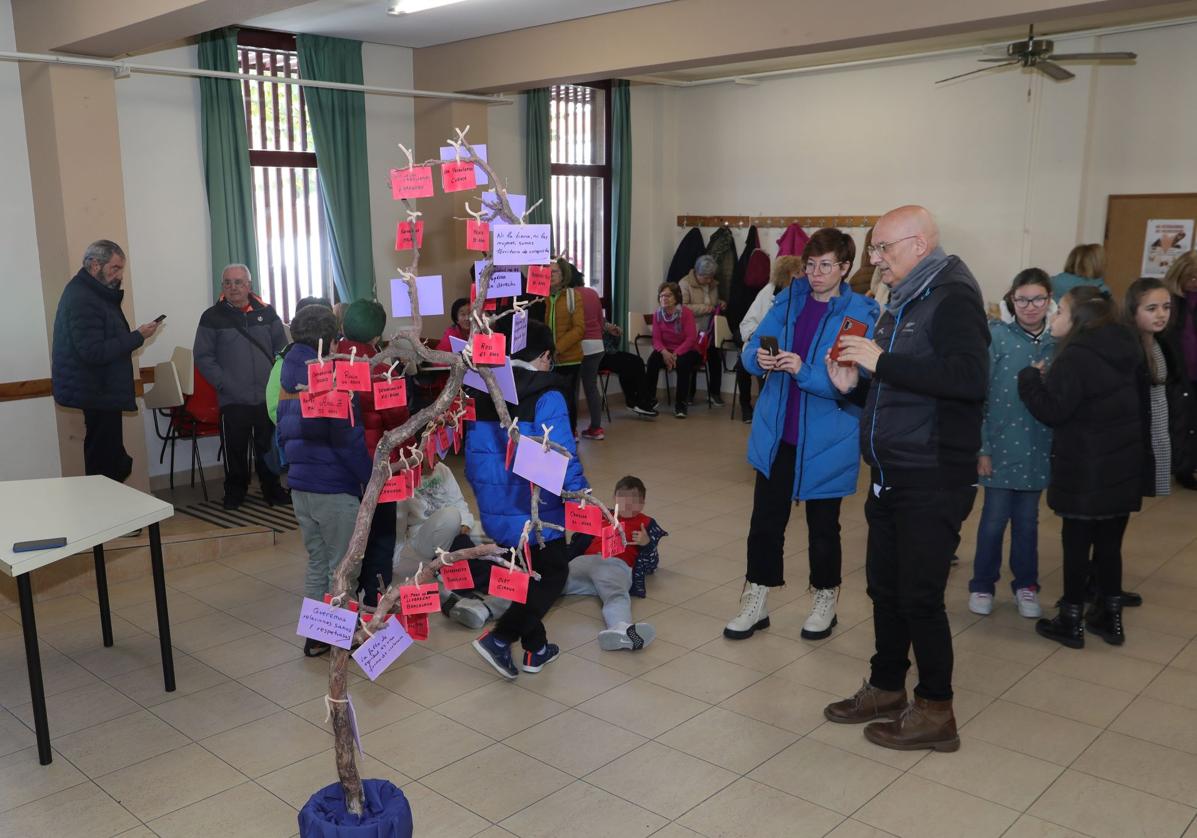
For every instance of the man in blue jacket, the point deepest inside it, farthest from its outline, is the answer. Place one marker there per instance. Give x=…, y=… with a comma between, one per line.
x=927, y=368
x=92, y=366
x=505, y=499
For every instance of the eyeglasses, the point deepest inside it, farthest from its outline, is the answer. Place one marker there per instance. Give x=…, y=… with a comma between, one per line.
x=881, y=247
x=1023, y=302
x=821, y=268
x=233, y=283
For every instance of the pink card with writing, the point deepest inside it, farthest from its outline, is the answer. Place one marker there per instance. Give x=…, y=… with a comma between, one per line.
x=419, y=599
x=471, y=412
x=383, y=649
x=544, y=467
x=457, y=177
x=310, y=404
x=390, y=393
x=490, y=349
x=539, y=278
x=404, y=239
x=355, y=376
x=509, y=584
x=612, y=544
x=457, y=576
x=416, y=625
x=585, y=519
x=395, y=489
x=477, y=235
x=320, y=377
x=326, y=623
x=411, y=183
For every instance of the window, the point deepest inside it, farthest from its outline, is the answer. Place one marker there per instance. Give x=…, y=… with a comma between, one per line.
x=288, y=218
x=579, y=143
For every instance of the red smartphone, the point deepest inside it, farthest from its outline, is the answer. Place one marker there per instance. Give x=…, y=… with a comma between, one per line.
x=848, y=327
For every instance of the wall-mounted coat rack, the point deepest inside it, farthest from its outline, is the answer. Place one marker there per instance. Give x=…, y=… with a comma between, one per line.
x=807, y=222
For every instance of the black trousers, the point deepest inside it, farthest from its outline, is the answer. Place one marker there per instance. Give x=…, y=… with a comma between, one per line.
x=913, y=534
x=744, y=381
x=630, y=369
x=242, y=421
x=378, y=559
x=523, y=621
x=1101, y=538
x=685, y=376
x=569, y=375
x=104, y=445
x=767, y=531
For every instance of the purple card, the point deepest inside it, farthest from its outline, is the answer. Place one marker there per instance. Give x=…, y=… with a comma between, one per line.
x=519, y=204
x=480, y=178
x=429, y=296
x=502, y=283
x=519, y=331
x=521, y=244
x=383, y=649
x=503, y=375
x=327, y=624
x=544, y=467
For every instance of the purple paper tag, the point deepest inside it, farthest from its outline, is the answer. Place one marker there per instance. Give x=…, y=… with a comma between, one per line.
x=503, y=375
x=357, y=737
x=326, y=623
x=545, y=468
x=429, y=296
x=519, y=331
x=519, y=204
x=502, y=283
x=383, y=649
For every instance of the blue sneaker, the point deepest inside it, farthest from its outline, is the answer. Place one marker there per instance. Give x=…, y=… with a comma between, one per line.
x=536, y=661
x=497, y=655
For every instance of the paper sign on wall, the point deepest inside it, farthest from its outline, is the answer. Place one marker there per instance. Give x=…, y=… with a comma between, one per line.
x=477, y=235
x=490, y=204
x=457, y=576
x=543, y=466
x=586, y=519
x=383, y=649
x=403, y=235
x=411, y=183
x=503, y=375
x=502, y=283
x=390, y=393
x=480, y=178
x=326, y=623
x=519, y=331
x=540, y=277
x=457, y=177
x=430, y=297
x=509, y=584
x=355, y=376
x=521, y=244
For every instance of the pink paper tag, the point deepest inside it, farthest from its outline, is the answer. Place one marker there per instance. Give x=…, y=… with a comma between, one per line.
x=355, y=376
x=383, y=649
x=389, y=394
x=539, y=278
x=457, y=576
x=586, y=519
x=510, y=452
x=326, y=623
x=443, y=440
x=490, y=349
x=457, y=177
x=419, y=599
x=411, y=183
x=396, y=488
x=477, y=235
x=320, y=377
x=509, y=584
x=416, y=625
x=471, y=413
x=544, y=467
x=403, y=235
x=612, y=545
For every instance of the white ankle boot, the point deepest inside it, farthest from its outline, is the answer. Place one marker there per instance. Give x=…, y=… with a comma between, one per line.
x=822, y=614
x=753, y=613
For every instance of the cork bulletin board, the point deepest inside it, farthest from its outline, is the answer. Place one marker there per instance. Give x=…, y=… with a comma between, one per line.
x=1127, y=217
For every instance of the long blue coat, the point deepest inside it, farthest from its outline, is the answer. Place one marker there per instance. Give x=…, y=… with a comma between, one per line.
x=828, y=460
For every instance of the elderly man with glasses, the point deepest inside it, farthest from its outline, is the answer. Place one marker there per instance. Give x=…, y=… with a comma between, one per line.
x=922, y=381
x=235, y=345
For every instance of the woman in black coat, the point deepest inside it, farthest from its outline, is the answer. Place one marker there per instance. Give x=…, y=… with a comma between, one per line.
x=1180, y=349
x=1093, y=398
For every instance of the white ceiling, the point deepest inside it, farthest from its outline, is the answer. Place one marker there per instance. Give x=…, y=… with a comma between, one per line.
x=367, y=20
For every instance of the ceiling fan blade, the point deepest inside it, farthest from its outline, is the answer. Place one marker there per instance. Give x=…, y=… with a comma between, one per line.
x=1094, y=56
x=1054, y=70
x=974, y=72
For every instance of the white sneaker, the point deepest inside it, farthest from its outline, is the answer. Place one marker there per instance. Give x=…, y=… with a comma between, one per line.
x=753, y=613
x=980, y=604
x=822, y=615
x=1028, y=603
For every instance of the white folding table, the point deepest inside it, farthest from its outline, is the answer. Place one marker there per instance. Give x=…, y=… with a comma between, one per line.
x=87, y=511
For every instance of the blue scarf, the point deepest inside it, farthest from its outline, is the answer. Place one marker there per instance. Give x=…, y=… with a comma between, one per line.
x=676, y=320
x=917, y=280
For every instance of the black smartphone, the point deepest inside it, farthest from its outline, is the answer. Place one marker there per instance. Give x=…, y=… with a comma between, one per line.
x=159, y=318
x=39, y=544
x=769, y=344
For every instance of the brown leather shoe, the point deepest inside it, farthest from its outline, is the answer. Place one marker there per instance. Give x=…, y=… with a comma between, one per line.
x=868, y=704
x=924, y=724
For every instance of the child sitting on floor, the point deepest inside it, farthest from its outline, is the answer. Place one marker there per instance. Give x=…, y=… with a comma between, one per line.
x=614, y=579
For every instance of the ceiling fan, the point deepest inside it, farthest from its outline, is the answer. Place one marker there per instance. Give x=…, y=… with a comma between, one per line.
x=1037, y=54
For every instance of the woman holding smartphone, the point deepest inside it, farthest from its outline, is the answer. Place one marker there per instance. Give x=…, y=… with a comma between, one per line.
x=804, y=442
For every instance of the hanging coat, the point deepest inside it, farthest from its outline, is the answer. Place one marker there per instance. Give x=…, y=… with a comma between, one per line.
x=722, y=248
x=691, y=247
x=755, y=278
x=792, y=242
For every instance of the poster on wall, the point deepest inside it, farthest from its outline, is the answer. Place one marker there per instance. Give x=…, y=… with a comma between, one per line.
x=1165, y=241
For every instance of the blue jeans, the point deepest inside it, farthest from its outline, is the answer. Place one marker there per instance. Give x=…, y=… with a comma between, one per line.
x=1021, y=509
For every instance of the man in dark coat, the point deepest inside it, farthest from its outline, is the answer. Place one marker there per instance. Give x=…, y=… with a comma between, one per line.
x=927, y=367
x=235, y=345
x=93, y=357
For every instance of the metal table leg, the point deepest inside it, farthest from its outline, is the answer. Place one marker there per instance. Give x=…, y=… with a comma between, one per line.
x=168, y=661
x=33, y=659
x=102, y=592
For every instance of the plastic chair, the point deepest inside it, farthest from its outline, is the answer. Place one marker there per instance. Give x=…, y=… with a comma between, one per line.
x=184, y=369
x=196, y=418
x=605, y=377
x=162, y=399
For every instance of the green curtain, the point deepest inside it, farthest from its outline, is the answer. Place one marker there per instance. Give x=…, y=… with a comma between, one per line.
x=226, y=159
x=536, y=127
x=339, y=130
x=621, y=200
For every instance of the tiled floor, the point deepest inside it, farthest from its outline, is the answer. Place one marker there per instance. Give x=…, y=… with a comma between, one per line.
x=694, y=736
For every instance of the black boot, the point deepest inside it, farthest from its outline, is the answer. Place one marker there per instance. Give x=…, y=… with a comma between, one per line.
x=1066, y=628
x=1130, y=599
x=1104, y=619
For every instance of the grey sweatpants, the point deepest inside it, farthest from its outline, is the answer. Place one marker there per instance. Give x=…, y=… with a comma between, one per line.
x=326, y=522
x=609, y=580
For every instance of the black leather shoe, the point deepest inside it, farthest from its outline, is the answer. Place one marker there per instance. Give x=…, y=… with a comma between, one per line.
x=1186, y=479
x=1065, y=628
x=1104, y=619
x=276, y=495
x=1130, y=599
x=232, y=501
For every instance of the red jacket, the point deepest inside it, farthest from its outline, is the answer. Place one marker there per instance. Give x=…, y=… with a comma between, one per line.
x=374, y=422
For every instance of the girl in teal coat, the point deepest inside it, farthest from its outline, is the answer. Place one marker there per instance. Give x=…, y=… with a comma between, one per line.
x=1014, y=462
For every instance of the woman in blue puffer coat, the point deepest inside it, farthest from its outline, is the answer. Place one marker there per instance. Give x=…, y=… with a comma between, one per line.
x=804, y=443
